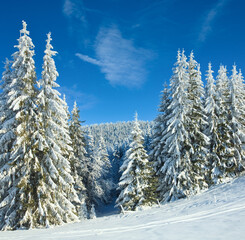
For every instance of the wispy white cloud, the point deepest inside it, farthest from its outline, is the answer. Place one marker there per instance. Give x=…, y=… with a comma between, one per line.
x=119, y=59
x=78, y=25
x=88, y=59
x=84, y=101
x=74, y=9
x=206, y=27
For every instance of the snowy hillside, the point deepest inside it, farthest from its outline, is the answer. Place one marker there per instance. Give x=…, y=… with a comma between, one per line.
x=216, y=214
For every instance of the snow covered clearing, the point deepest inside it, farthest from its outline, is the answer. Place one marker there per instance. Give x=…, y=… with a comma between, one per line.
x=218, y=213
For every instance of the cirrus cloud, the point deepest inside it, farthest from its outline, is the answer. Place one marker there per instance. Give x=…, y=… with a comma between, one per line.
x=206, y=27
x=118, y=58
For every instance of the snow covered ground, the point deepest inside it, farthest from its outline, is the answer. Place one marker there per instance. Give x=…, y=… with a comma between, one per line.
x=216, y=214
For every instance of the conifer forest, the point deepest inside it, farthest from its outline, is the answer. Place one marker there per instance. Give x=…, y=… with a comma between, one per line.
x=56, y=170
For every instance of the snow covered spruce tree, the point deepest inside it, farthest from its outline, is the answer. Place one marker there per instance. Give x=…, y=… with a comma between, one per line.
x=117, y=160
x=237, y=122
x=20, y=205
x=224, y=165
x=98, y=182
x=175, y=180
x=69, y=153
x=157, y=153
x=96, y=167
x=7, y=135
x=57, y=194
x=78, y=163
x=5, y=86
x=104, y=167
x=196, y=121
x=88, y=177
x=157, y=145
x=67, y=149
x=212, y=113
x=137, y=182
x=148, y=139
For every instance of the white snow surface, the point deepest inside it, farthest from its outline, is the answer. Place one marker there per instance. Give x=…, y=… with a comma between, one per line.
x=218, y=213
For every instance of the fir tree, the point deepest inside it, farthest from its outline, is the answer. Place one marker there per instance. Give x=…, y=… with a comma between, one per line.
x=157, y=153
x=157, y=145
x=5, y=86
x=136, y=182
x=20, y=205
x=78, y=164
x=212, y=111
x=57, y=193
x=69, y=154
x=7, y=120
x=92, y=213
x=89, y=178
x=96, y=170
x=117, y=159
x=148, y=139
x=175, y=172
x=224, y=166
x=197, y=120
x=105, y=180
x=99, y=185
x=237, y=118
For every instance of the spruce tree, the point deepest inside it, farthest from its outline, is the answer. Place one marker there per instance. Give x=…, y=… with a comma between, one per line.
x=68, y=153
x=58, y=194
x=78, y=163
x=237, y=118
x=175, y=172
x=20, y=205
x=136, y=183
x=96, y=169
x=212, y=112
x=117, y=159
x=92, y=174
x=157, y=153
x=105, y=180
x=157, y=145
x=223, y=168
x=5, y=86
x=148, y=139
x=240, y=82
x=92, y=212
x=99, y=182
x=89, y=174
x=195, y=126
x=7, y=119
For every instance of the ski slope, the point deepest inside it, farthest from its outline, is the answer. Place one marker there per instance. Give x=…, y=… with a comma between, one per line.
x=218, y=213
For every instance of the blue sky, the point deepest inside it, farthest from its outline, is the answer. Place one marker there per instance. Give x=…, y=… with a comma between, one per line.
x=115, y=55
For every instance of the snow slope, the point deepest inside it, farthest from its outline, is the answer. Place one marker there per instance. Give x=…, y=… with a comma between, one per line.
x=218, y=213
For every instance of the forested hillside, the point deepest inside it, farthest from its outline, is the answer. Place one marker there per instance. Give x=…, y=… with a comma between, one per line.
x=117, y=139
x=117, y=135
